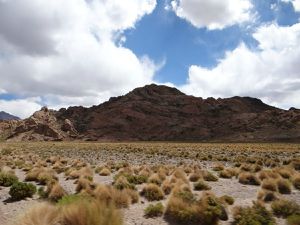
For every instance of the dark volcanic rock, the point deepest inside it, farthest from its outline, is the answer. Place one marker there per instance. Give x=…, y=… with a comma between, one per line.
x=162, y=113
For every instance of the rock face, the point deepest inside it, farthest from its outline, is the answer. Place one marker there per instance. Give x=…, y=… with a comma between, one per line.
x=162, y=113
x=7, y=116
x=43, y=126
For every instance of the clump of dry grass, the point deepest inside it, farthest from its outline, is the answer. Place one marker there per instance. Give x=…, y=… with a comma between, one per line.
x=90, y=212
x=84, y=184
x=208, y=176
x=155, y=179
x=167, y=186
x=284, y=186
x=269, y=184
x=296, y=181
x=267, y=196
x=218, y=166
x=195, y=176
x=265, y=174
x=41, y=214
x=228, y=173
x=284, y=208
x=56, y=192
x=105, y=172
x=152, y=192
x=183, y=207
x=201, y=185
x=248, y=178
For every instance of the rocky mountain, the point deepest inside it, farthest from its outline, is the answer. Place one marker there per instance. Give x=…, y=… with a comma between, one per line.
x=7, y=116
x=161, y=113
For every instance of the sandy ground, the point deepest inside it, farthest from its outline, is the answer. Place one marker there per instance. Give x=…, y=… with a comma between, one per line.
x=134, y=215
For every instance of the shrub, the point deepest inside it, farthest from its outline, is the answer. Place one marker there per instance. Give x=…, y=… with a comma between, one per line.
x=256, y=215
x=293, y=220
x=284, y=186
x=154, y=210
x=152, y=192
x=284, y=208
x=21, y=190
x=136, y=179
x=201, y=185
x=248, y=178
x=7, y=179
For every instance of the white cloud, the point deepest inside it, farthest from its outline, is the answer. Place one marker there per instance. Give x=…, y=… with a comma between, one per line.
x=270, y=73
x=296, y=4
x=213, y=14
x=21, y=107
x=71, y=49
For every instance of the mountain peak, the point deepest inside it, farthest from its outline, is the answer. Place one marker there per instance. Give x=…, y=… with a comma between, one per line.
x=155, y=90
x=7, y=116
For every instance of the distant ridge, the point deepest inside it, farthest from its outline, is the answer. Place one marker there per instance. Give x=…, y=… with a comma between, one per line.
x=161, y=113
x=7, y=116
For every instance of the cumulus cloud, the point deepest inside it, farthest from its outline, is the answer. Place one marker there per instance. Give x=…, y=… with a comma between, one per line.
x=213, y=14
x=71, y=51
x=270, y=73
x=296, y=4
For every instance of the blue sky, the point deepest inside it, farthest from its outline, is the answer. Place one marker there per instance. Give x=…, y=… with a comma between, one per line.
x=167, y=37
x=83, y=52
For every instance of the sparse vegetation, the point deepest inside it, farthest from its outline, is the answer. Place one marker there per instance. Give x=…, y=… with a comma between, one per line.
x=69, y=174
x=154, y=210
x=19, y=191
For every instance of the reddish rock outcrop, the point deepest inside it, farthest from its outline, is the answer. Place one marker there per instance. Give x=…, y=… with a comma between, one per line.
x=162, y=113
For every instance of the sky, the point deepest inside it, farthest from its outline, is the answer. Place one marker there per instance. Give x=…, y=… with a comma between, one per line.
x=81, y=52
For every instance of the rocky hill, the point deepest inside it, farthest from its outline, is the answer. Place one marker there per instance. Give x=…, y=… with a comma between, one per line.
x=162, y=113
x=7, y=116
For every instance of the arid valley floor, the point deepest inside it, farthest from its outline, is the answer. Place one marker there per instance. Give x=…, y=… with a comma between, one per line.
x=193, y=182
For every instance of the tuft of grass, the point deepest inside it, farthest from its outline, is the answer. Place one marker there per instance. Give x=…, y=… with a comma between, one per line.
x=267, y=196
x=40, y=214
x=154, y=210
x=56, y=192
x=255, y=215
x=296, y=181
x=227, y=199
x=208, y=176
x=293, y=220
x=284, y=186
x=90, y=212
x=248, y=178
x=284, y=208
x=105, y=172
x=184, y=208
x=7, y=179
x=201, y=185
x=152, y=192
x=269, y=184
